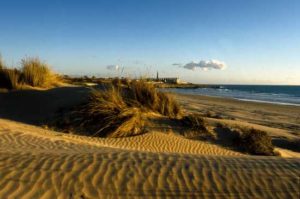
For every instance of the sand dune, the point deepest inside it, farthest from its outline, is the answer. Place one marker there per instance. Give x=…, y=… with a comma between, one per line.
x=37, y=163
x=40, y=163
x=20, y=137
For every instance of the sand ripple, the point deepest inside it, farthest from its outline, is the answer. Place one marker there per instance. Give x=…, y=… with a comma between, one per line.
x=48, y=165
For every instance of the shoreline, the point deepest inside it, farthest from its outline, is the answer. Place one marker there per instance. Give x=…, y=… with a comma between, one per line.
x=282, y=118
x=240, y=99
x=259, y=94
x=268, y=102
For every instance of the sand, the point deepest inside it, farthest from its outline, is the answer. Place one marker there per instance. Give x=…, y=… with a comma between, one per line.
x=284, y=118
x=40, y=163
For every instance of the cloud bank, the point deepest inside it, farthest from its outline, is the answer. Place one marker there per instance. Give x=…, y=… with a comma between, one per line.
x=113, y=67
x=204, y=65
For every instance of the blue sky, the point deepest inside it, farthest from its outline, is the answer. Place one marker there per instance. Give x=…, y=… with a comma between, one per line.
x=259, y=40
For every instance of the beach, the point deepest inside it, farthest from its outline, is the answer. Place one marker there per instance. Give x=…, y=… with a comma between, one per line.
x=285, y=118
x=39, y=162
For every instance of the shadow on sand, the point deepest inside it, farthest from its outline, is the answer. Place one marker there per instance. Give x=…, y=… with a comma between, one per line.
x=38, y=106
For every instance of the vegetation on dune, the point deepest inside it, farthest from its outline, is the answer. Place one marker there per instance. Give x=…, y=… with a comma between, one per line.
x=256, y=142
x=1, y=63
x=106, y=114
x=120, y=110
x=143, y=94
x=251, y=141
x=33, y=72
x=9, y=78
x=36, y=73
x=195, y=127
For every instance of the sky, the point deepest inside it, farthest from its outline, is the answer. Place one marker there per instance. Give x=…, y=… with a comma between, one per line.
x=200, y=41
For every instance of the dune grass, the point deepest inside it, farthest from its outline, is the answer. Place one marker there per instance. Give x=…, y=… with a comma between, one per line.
x=251, y=141
x=120, y=110
x=2, y=65
x=145, y=95
x=9, y=78
x=33, y=73
x=195, y=127
x=106, y=114
x=256, y=142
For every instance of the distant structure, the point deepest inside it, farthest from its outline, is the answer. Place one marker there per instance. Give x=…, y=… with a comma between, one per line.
x=171, y=80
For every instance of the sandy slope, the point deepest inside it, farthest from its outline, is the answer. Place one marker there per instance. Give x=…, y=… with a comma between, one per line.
x=36, y=163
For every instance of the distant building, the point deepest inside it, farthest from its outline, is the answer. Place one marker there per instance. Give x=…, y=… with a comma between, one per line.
x=171, y=80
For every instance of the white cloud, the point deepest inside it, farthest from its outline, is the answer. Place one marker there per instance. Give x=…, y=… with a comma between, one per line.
x=204, y=65
x=113, y=67
x=177, y=64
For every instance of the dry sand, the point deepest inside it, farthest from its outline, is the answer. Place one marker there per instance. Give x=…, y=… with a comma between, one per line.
x=281, y=122
x=40, y=163
x=284, y=118
x=37, y=163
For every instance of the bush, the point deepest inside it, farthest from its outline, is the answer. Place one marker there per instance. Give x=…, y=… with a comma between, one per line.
x=196, y=127
x=9, y=78
x=2, y=65
x=35, y=73
x=119, y=111
x=256, y=142
x=146, y=95
x=106, y=114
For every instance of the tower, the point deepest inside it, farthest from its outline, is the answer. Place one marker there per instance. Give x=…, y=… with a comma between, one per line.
x=157, y=76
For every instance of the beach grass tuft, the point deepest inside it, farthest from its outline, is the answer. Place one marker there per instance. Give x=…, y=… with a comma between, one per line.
x=9, y=78
x=121, y=111
x=195, y=127
x=256, y=142
x=33, y=73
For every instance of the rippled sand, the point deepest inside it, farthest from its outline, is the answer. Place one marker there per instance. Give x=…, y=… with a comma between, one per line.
x=38, y=163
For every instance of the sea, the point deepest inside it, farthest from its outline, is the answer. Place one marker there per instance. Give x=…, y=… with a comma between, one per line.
x=287, y=95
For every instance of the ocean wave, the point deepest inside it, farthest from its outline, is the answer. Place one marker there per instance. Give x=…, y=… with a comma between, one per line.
x=246, y=95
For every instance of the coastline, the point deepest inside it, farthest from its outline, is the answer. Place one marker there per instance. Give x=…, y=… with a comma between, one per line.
x=277, y=116
x=283, y=95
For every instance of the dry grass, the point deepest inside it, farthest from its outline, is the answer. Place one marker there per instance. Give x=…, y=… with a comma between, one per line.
x=9, y=78
x=147, y=96
x=2, y=65
x=256, y=142
x=106, y=114
x=251, y=141
x=195, y=127
x=36, y=73
x=33, y=73
x=119, y=110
